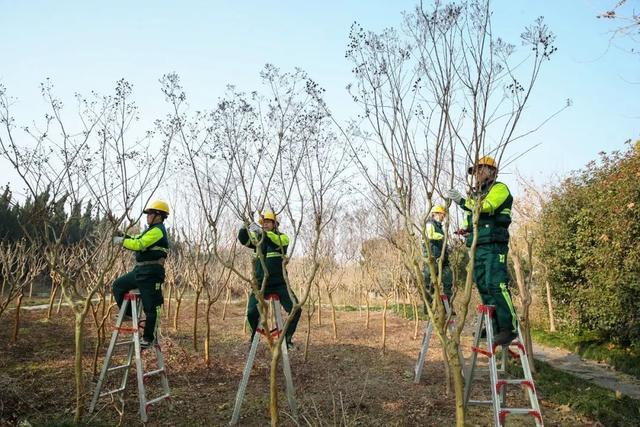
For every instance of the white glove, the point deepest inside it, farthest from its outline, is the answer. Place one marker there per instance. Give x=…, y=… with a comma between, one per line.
x=117, y=240
x=454, y=195
x=255, y=228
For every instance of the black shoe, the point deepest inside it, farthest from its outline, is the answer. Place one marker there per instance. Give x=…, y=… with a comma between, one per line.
x=145, y=343
x=505, y=337
x=290, y=346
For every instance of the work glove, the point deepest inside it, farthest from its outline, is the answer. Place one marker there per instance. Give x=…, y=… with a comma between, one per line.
x=255, y=228
x=117, y=240
x=454, y=195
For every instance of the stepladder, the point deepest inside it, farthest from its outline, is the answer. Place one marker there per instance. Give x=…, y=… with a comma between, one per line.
x=426, y=339
x=276, y=319
x=498, y=376
x=124, y=351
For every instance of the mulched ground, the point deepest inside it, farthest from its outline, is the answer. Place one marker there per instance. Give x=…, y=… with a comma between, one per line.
x=345, y=382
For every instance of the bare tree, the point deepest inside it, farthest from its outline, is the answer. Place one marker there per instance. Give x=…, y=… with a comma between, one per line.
x=96, y=162
x=272, y=153
x=433, y=98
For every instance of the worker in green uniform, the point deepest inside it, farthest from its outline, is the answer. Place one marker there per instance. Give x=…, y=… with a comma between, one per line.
x=151, y=248
x=435, y=237
x=490, y=268
x=273, y=248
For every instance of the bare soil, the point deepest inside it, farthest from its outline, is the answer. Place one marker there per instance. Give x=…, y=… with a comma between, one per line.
x=348, y=381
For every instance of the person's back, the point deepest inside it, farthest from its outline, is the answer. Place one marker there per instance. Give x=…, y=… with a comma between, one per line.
x=273, y=247
x=270, y=247
x=435, y=239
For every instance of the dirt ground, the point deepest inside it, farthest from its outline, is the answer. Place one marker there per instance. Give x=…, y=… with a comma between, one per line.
x=344, y=382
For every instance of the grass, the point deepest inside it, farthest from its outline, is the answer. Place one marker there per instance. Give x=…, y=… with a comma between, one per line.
x=566, y=390
x=585, y=398
x=589, y=346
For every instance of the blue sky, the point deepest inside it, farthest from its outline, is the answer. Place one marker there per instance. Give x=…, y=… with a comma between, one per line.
x=84, y=45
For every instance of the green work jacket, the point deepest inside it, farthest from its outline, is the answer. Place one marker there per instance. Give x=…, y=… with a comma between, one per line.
x=273, y=248
x=495, y=213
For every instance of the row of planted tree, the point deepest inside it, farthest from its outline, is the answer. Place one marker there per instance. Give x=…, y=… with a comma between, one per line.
x=353, y=196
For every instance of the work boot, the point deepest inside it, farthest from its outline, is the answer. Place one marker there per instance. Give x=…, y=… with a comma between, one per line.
x=290, y=346
x=145, y=343
x=505, y=337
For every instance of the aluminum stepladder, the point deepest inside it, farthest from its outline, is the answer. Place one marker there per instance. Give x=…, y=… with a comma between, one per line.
x=426, y=339
x=274, y=308
x=134, y=351
x=516, y=349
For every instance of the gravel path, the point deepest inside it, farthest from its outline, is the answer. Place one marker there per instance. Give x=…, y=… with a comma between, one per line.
x=598, y=373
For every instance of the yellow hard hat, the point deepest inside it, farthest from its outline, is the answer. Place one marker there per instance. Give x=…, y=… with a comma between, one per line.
x=158, y=206
x=268, y=215
x=438, y=209
x=483, y=161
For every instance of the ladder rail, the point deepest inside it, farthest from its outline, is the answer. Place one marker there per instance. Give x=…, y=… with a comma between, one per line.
x=426, y=340
x=132, y=300
x=245, y=379
x=274, y=308
x=107, y=360
x=499, y=385
x=286, y=366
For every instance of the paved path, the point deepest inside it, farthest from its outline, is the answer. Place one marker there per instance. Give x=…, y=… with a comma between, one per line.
x=598, y=373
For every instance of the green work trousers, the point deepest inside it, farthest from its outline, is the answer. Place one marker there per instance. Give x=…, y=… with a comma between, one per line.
x=148, y=280
x=492, y=279
x=447, y=283
x=253, y=315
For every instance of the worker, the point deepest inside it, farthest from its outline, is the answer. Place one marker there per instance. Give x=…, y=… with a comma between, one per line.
x=273, y=248
x=490, y=266
x=151, y=248
x=435, y=237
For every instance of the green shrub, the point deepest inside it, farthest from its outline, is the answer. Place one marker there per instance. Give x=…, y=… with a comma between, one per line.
x=590, y=248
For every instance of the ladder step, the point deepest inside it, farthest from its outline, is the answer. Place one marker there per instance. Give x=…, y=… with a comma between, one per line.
x=158, y=399
x=107, y=393
x=117, y=368
x=480, y=402
x=519, y=411
x=151, y=373
x=124, y=342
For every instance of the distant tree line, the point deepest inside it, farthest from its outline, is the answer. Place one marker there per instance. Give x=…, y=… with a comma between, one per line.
x=37, y=215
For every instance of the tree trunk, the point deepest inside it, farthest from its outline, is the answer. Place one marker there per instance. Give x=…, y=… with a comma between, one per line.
x=273, y=386
x=79, y=320
x=416, y=319
x=552, y=321
x=307, y=339
x=319, y=309
x=17, y=323
x=52, y=298
x=458, y=382
x=168, y=312
x=333, y=317
x=195, y=320
x=246, y=307
x=59, y=303
x=227, y=300
x=526, y=302
x=366, y=322
x=175, y=315
x=447, y=371
x=208, y=334
x=384, y=325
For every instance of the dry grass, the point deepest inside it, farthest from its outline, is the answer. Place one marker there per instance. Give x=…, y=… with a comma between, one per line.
x=344, y=382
